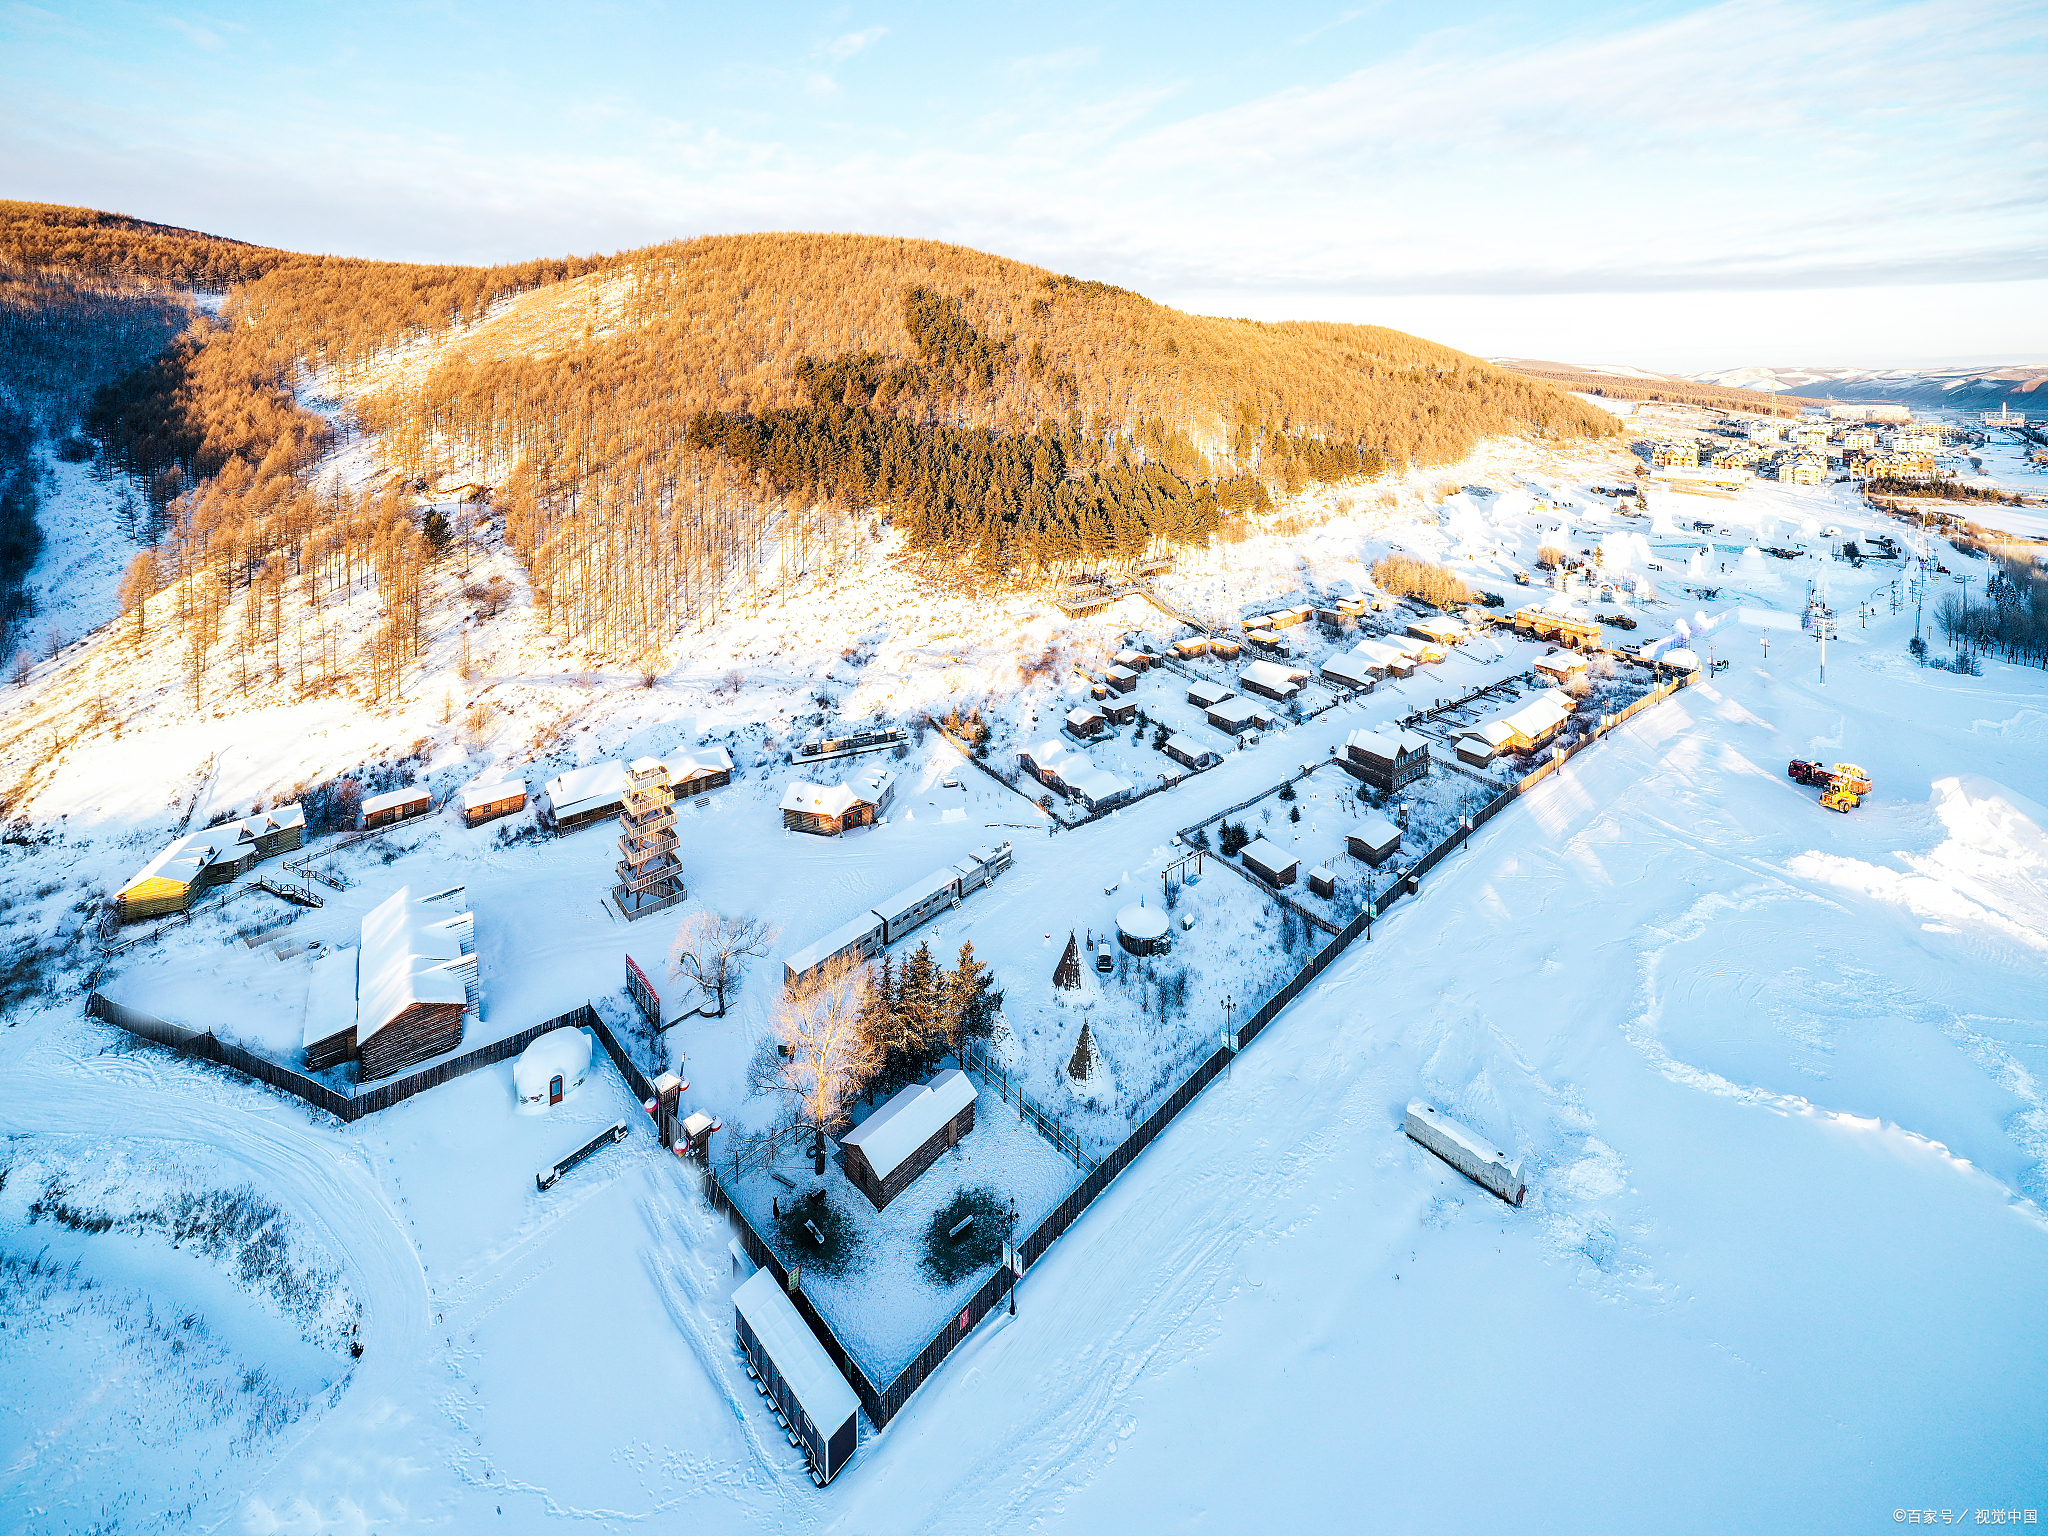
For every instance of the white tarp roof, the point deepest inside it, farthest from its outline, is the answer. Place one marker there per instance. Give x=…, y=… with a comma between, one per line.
x=797, y=1354
x=909, y=1120
x=408, y=947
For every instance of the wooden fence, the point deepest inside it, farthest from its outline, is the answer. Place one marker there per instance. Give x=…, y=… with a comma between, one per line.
x=203, y=1045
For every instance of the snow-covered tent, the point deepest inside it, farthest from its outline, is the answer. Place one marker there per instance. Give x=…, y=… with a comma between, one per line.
x=551, y=1068
x=886, y=1152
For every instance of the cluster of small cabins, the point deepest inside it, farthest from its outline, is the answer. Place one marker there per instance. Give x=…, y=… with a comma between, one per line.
x=597, y=792
x=199, y=860
x=889, y=920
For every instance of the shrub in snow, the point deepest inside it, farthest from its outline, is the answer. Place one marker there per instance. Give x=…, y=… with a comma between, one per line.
x=947, y=1258
x=817, y=1234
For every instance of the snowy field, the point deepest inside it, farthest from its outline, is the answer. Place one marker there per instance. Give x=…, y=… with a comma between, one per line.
x=1776, y=1073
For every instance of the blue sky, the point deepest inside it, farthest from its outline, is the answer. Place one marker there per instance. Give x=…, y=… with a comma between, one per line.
x=1668, y=185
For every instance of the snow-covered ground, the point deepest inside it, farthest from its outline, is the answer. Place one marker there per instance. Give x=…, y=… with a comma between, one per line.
x=1775, y=1072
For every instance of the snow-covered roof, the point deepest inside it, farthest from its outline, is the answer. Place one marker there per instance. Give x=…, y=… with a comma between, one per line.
x=909, y=1120
x=847, y=933
x=833, y=800
x=392, y=799
x=799, y=1357
x=1096, y=785
x=1234, y=713
x=1386, y=744
x=183, y=861
x=280, y=818
x=1141, y=921
x=1207, y=694
x=1270, y=857
x=412, y=953
x=1349, y=668
x=1382, y=655
x=1190, y=746
x=1376, y=832
x=475, y=796
x=1561, y=661
x=331, y=995
x=1270, y=674
x=1047, y=753
x=1482, y=1149
x=1443, y=628
x=565, y=1051
x=1082, y=716
x=599, y=784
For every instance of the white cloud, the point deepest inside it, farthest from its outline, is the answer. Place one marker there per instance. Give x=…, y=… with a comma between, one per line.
x=847, y=44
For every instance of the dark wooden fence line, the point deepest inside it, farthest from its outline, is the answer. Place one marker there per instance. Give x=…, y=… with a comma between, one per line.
x=203, y=1045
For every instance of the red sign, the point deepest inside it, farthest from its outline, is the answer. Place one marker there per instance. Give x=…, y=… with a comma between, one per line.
x=643, y=990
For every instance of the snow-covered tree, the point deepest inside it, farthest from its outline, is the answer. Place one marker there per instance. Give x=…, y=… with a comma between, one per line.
x=712, y=950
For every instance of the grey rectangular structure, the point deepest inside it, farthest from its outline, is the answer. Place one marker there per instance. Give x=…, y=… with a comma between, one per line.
x=1467, y=1151
x=796, y=1376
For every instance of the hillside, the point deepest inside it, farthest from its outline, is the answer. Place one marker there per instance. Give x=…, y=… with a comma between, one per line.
x=660, y=426
x=1639, y=384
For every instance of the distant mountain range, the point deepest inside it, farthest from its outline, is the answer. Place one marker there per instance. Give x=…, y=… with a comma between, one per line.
x=1956, y=389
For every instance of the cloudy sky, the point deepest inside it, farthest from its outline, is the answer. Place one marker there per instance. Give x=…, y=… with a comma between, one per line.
x=1669, y=185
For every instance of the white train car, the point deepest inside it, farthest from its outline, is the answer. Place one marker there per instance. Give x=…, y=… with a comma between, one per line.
x=872, y=931
x=1467, y=1151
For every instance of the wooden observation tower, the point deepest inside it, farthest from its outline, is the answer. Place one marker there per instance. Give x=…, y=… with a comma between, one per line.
x=650, y=874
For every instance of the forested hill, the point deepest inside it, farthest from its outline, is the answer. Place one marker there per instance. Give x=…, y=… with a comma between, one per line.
x=660, y=423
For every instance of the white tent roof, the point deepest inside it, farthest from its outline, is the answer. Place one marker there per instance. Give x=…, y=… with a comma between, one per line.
x=909, y=1120
x=797, y=1354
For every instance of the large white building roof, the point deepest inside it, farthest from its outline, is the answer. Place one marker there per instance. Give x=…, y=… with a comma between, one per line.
x=411, y=953
x=909, y=1120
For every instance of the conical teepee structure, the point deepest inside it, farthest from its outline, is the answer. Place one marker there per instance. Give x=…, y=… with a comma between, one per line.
x=1081, y=1065
x=1067, y=974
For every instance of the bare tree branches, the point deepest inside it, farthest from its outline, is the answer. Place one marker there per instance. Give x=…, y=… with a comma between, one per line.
x=712, y=950
x=822, y=1055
